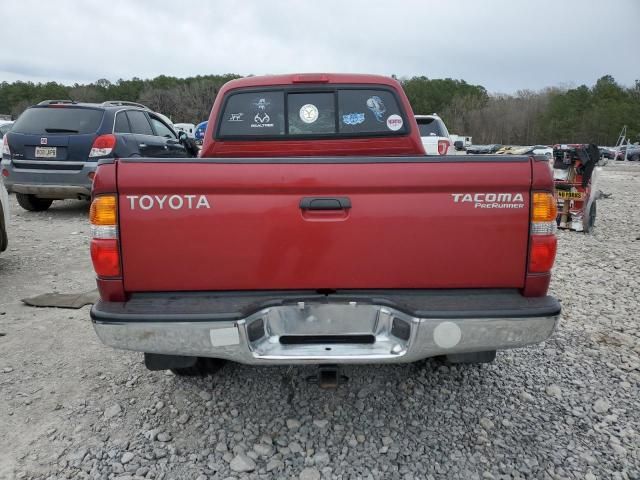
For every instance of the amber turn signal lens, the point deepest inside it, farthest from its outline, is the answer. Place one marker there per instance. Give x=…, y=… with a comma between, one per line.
x=544, y=207
x=104, y=210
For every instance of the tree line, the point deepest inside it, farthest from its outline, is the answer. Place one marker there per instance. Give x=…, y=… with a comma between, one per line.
x=583, y=114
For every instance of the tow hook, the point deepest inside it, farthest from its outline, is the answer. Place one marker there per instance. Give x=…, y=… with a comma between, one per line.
x=328, y=377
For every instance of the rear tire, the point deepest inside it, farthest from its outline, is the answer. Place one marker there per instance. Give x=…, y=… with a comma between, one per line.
x=474, y=357
x=203, y=366
x=4, y=241
x=590, y=221
x=32, y=203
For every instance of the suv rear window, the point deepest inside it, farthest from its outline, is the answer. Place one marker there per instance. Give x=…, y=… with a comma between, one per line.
x=69, y=120
x=346, y=111
x=430, y=127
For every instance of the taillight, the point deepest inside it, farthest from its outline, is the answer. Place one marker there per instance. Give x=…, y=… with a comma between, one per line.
x=103, y=146
x=543, y=242
x=105, y=250
x=542, y=253
x=443, y=146
x=105, y=257
x=5, y=146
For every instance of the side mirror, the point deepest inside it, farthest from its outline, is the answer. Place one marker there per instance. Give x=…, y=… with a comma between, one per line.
x=182, y=136
x=459, y=145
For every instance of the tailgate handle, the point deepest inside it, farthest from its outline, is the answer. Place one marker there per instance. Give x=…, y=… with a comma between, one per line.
x=325, y=203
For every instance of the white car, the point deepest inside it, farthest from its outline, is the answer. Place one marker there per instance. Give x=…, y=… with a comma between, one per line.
x=5, y=126
x=188, y=128
x=4, y=216
x=435, y=136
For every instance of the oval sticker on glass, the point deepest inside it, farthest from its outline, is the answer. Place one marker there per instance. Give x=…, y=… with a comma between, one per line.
x=394, y=122
x=308, y=113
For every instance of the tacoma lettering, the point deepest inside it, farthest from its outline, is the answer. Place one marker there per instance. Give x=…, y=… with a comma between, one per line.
x=490, y=200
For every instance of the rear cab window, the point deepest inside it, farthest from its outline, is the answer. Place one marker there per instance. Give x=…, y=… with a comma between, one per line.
x=339, y=111
x=64, y=120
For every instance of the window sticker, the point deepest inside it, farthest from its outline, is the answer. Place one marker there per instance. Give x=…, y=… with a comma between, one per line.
x=309, y=113
x=353, y=118
x=394, y=122
x=261, y=118
x=235, y=117
x=376, y=105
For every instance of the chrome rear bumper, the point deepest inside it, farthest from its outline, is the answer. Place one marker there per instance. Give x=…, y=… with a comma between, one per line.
x=321, y=332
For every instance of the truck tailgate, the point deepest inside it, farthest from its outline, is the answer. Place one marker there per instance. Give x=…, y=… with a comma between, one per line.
x=411, y=223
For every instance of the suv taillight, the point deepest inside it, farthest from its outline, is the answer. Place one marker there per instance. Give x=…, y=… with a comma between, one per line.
x=5, y=147
x=443, y=146
x=103, y=146
x=543, y=242
x=105, y=250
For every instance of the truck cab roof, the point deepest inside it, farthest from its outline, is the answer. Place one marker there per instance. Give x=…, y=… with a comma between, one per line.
x=309, y=78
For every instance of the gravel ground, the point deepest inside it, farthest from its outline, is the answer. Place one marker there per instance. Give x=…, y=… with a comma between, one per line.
x=72, y=408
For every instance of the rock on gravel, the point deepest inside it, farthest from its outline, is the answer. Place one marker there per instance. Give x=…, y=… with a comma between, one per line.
x=274, y=464
x=263, y=450
x=554, y=391
x=184, y=418
x=526, y=396
x=321, y=458
x=112, y=411
x=127, y=457
x=293, y=424
x=601, y=405
x=486, y=423
x=309, y=474
x=242, y=463
x=321, y=423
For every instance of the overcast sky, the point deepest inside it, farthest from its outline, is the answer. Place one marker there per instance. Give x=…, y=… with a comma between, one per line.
x=504, y=45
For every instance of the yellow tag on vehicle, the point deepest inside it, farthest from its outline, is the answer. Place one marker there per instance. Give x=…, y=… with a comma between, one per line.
x=569, y=195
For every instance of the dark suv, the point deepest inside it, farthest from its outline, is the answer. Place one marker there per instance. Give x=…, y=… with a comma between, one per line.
x=52, y=151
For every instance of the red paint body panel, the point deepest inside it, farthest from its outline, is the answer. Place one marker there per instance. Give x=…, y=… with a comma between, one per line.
x=111, y=290
x=403, y=230
x=106, y=181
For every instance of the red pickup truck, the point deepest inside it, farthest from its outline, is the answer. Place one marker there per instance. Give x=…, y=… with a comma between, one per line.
x=314, y=229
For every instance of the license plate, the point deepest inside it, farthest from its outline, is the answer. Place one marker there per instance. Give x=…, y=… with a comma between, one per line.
x=569, y=195
x=46, y=152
